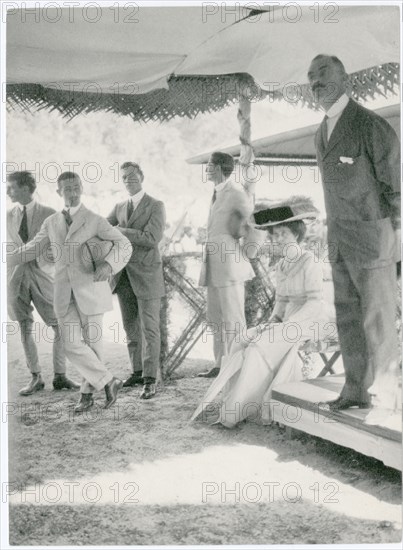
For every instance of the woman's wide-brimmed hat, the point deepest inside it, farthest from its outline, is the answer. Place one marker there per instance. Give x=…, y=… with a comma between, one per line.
x=289, y=210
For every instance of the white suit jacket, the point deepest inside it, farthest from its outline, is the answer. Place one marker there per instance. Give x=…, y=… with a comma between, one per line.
x=74, y=271
x=224, y=260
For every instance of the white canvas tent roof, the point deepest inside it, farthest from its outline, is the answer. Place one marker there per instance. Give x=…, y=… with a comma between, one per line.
x=143, y=46
x=83, y=59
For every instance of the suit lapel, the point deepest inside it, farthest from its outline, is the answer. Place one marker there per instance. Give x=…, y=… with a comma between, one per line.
x=35, y=221
x=126, y=209
x=343, y=127
x=319, y=145
x=15, y=221
x=78, y=221
x=142, y=205
x=336, y=136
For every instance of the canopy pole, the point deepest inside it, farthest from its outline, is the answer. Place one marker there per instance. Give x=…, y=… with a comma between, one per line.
x=247, y=156
x=248, y=178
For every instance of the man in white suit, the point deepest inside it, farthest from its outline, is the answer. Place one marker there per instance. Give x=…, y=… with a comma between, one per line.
x=32, y=283
x=78, y=238
x=225, y=267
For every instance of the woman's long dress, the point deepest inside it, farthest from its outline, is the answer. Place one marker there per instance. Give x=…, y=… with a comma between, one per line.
x=268, y=356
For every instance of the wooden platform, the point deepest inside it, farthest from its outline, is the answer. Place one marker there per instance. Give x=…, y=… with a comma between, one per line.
x=296, y=405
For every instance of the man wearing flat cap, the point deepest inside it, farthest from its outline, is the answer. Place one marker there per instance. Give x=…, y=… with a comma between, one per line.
x=358, y=155
x=225, y=267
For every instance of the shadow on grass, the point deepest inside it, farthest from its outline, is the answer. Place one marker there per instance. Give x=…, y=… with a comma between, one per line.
x=274, y=523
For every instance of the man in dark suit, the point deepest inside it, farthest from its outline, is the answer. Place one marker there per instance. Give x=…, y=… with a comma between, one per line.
x=32, y=283
x=140, y=285
x=358, y=154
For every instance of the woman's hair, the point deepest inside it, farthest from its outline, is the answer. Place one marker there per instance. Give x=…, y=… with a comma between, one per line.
x=298, y=227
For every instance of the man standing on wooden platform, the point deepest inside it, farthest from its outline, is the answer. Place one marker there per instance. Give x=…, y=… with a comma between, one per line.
x=358, y=154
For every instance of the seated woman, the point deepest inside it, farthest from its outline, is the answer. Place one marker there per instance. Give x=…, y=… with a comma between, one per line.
x=268, y=355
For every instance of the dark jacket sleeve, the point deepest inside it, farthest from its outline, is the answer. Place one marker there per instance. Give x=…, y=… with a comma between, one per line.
x=153, y=231
x=383, y=147
x=112, y=218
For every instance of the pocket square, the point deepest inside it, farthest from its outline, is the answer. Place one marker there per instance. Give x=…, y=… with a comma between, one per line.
x=346, y=160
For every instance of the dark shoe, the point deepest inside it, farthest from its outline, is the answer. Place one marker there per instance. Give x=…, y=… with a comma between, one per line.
x=61, y=382
x=36, y=384
x=84, y=403
x=212, y=373
x=341, y=403
x=111, y=392
x=133, y=380
x=148, y=391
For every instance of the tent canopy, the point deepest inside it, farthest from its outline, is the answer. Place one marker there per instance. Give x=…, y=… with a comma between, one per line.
x=158, y=62
x=142, y=47
x=293, y=147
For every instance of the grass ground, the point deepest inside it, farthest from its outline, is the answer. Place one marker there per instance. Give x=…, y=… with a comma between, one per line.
x=142, y=474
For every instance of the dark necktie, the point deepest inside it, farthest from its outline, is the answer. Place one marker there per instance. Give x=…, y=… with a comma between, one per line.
x=130, y=209
x=213, y=198
x=324, y=132
x=67, y=217
x=23, y=230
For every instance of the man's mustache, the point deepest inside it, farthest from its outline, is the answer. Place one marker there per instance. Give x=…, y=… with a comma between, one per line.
x=316, y=86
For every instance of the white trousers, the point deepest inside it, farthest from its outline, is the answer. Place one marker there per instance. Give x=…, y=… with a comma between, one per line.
x=226, y=317
x=82, y=337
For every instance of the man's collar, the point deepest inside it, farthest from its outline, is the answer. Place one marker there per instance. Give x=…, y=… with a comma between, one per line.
x=29, y=206
x=338, y=107
x=73, y=209
x=136, y=198
x=220, y=186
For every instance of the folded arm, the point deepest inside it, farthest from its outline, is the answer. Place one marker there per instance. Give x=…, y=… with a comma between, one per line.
x=153, y=231
x=121, y=250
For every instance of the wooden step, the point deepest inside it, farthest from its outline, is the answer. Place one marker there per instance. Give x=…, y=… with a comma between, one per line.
x=296, y=405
